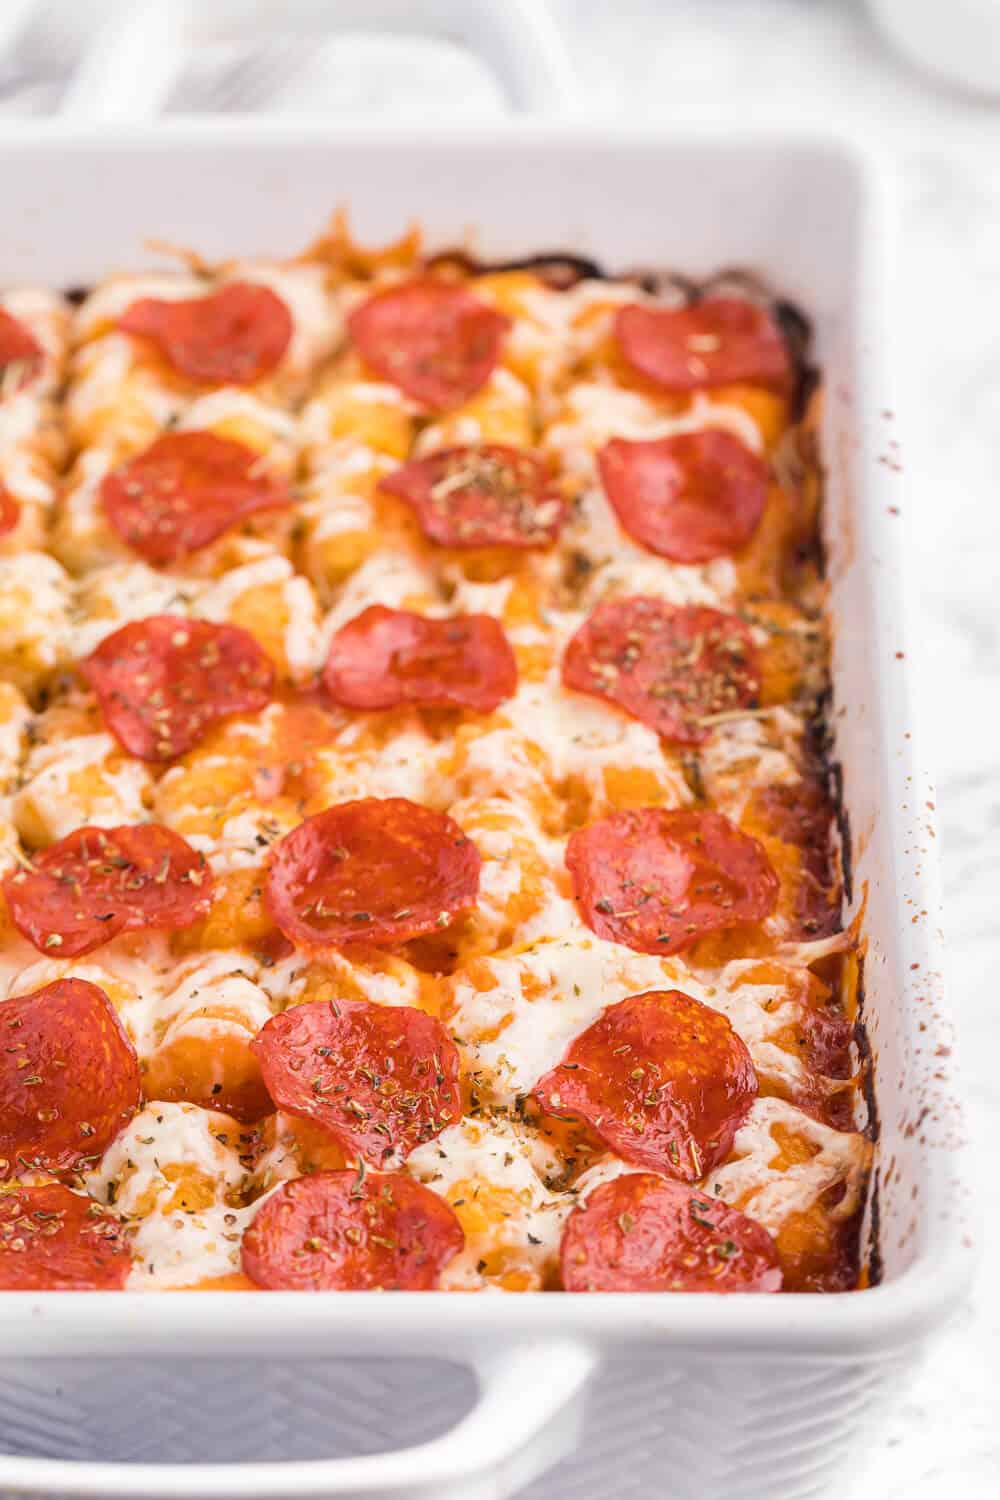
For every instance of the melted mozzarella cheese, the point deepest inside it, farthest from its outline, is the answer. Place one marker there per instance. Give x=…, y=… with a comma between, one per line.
x=83, y=780
x=15, y=716
x=113, y=596
x=394, y=579
x=491, y=1173
x=502, y=390
x=404, y=766
x=770, y=1194
x=746, y=753
x=243, y=839
x=597, y=411
x=35, y=633
x=207, y=994
x=83, y=539
x=317, y=324
x=548, y=735
x=176, y=1177
x=244, y=417
x=301, y=637
x=540, y=1000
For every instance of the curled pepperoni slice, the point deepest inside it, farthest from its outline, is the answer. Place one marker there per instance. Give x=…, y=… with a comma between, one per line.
x=373, y=871
x=386, y=657
x=52, y=1240
x=162, y=682
x=658, y=879
x=10, y=511
x=343, y=1232
x=184, y=490
x=234, y=336
x=98, y=882
x=434, y=340
x=383, y=1079
x=690, y=497
x=490, y=496
x=720, y=341
x=662, y=1079
x=69, y=1078
x=641, y=1234
x=21, y=355
x=674, y=668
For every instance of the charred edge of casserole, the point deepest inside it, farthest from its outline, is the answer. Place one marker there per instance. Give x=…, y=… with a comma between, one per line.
x=866, y=1056
x=559, y=269
x=871, y=1255
x=820, y=743
x=835, y=772
x=824, y=765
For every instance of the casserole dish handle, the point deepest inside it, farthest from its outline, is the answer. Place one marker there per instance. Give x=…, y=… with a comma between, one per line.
x=526, y=1417
x=130, y=66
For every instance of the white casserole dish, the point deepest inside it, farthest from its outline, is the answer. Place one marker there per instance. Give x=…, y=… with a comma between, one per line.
x=752, y=1397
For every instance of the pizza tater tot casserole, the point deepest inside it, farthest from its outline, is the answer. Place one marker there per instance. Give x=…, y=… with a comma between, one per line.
x=420, y=859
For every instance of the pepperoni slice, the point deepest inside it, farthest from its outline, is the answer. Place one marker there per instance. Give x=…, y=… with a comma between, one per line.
x=672, y=667
x=641, y=1234
x=10, y=511
x=488, y=496
x=657, y=879
x=234, y=336
x=162, y=682
x=662, y=1079
x=69, y=1078
x=690, y=497
x=343, y=1232
x=433, y=339
x=98, y=882
x=720, y=341
x=373, y=871
x=383, y=1079
x=21, y=355
x=184, y=490
x=386, y=657
x=52, y=1240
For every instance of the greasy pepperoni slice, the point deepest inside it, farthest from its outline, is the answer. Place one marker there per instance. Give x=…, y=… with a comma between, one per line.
x=662, y=1079
x=383, y=1079
x=69, y=1078
x=345, y=1232
x=673, y=667
x=21, y=354
x=163, y=681
x=98, y=882
x=720, y=341
x=10, y=511
x=385, y=657
x=52, y=1240
x=657, y=879
x=641, y=1234
x=488, y=496
x=374, y=871
x=434, y=340
x=690, y=497
x=184, y=490
x=234, y=336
